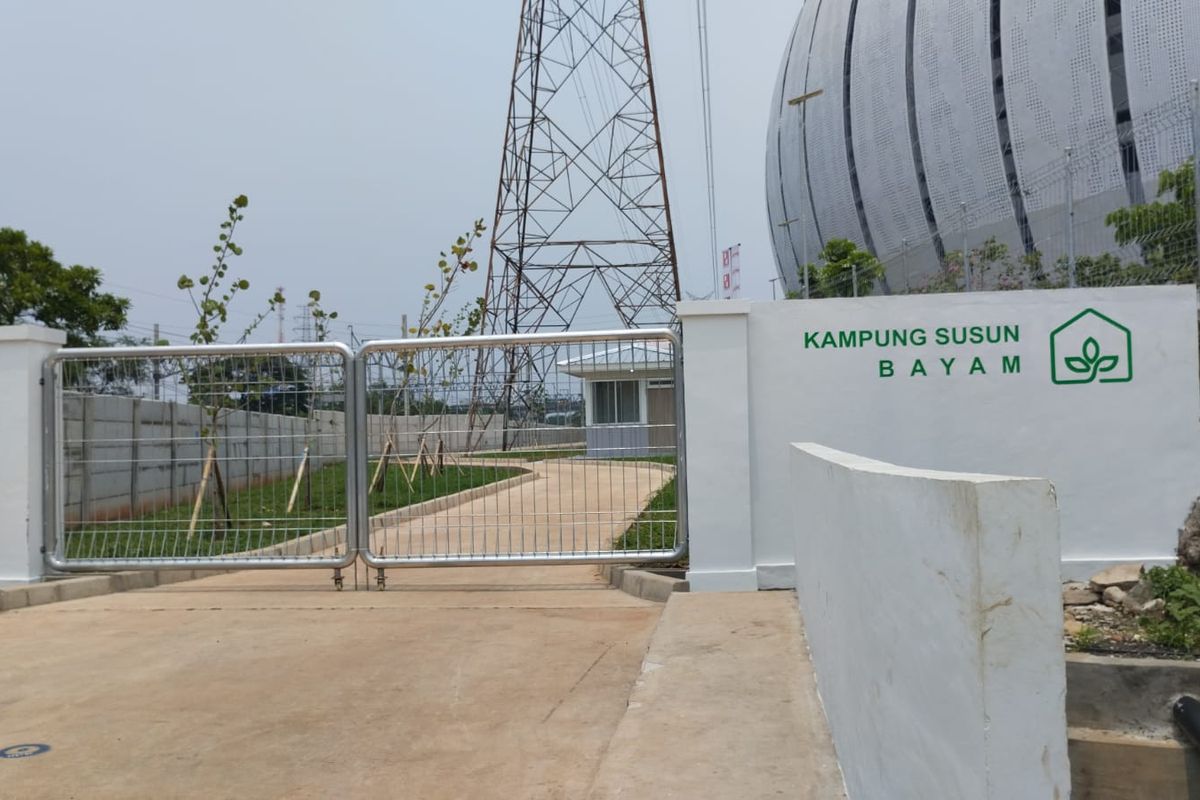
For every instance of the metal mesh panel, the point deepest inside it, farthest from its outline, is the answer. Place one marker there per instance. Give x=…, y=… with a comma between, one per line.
x=829, y=172
x=957, y=114
x=792, y=211
x=216, y=456
x=1161, y=57
x=883, y=150
x=517, y=435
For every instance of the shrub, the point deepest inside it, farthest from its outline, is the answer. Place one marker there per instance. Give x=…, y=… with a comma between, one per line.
x=1180, y=626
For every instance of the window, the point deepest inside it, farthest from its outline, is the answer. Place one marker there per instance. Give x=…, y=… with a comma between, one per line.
x=615, y=402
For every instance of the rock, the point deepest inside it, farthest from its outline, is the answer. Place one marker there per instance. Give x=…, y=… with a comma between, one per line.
x=1114, y=596
x=1155, y=609
x=1123, y=576
x=1129, y=604
x=1078, y=594
x=1087, y=612
x=1142, y=592
x=1136, y=598
x=1189, y=539
x=1072, y=627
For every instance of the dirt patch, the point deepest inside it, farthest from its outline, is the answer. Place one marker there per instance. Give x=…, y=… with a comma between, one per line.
x=1103, y=630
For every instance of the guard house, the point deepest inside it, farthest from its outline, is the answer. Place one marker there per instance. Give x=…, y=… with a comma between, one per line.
x=628, y=399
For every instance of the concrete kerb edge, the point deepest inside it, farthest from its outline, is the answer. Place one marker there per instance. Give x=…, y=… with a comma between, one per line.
x=642, y=583
x=59, y=590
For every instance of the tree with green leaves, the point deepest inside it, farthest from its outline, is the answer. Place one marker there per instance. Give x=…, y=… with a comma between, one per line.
x=1164, y=230
x=35, y=287
x=846, y=270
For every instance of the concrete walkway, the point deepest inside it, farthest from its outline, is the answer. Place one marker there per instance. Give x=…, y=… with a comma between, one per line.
x=726, y=708
x=482, y=683
x=573, y=505
x=489, y=682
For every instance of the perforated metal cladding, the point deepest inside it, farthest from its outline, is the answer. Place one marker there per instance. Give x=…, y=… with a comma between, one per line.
x=883, y=151
x=829, y=172
x=1162, y=55
x=803, y=233
x=957, y=119
x=1058, y=91
x=777, y=139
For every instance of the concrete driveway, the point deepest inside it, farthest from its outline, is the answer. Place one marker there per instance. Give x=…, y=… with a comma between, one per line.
x=487, y=682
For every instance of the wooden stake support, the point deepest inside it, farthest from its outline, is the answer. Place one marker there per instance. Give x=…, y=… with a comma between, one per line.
x=381, y=467
x=299, y=478
x=209, y=461
x=222, y=498
x=422, y=457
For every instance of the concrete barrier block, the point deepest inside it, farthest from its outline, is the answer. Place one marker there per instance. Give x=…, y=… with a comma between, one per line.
x=933, y=609
x=39, y=594
x=79, y=588
x=129, y=581
x=165, y=576
x=13, y=597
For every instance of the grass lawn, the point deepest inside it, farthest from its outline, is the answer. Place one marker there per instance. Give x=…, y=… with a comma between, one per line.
x=533, y=455
x=260, y=515
x=655, y=527
x=669, y=459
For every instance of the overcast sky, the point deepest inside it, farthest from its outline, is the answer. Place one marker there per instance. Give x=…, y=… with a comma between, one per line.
x=366, y=134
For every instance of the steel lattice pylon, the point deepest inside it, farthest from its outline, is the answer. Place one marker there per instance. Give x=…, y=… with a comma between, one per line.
x=583, y=195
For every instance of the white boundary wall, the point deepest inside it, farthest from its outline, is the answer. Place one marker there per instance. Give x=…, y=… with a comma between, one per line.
x=932, y=607
x=1124, y=456
x=23, y=349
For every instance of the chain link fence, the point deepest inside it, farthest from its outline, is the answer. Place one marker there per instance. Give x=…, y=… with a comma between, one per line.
x=1119, y=210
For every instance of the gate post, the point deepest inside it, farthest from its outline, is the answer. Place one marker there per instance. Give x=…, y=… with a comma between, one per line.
x=717, y=419
x=23, y=470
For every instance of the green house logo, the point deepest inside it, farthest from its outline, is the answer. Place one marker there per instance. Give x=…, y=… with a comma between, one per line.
x=1091, y=348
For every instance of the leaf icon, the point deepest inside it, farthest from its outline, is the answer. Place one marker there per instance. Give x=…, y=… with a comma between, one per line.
x=1091, y=350
x=1077, y=364
x=1107, y=364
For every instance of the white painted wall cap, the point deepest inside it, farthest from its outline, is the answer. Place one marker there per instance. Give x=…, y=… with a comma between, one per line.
x=864, y=464
x=712, y=308
x=32, y=333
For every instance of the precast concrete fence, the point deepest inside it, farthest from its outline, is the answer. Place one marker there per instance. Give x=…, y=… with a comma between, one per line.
x=129, y=455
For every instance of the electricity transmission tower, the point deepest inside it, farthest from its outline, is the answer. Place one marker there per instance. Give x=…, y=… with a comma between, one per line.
x=582, y=204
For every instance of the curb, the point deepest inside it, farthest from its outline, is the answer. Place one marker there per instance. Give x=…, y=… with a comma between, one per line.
x=642, y=583
x=57, y=590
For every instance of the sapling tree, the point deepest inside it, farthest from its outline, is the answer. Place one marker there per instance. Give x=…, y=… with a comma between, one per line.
x=220, y=385
x=422, y=371
x=321, y=320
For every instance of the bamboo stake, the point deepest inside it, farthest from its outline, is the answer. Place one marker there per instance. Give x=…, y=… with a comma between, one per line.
x=381, y=467
x=222, y=498
x=209, y=460
x=299, y=477
x=422, y=454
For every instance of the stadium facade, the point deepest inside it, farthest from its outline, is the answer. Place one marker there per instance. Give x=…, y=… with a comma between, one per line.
x=916, y=125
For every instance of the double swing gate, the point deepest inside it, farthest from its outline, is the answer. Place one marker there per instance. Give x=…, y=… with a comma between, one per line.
x=522, y=449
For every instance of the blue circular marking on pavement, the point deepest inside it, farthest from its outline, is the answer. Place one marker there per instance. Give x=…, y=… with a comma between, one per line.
x=24, y=750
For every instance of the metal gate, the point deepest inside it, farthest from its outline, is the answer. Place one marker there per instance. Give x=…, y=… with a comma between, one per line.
x=234, y=456
x=536, y=448
x=542, y=444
